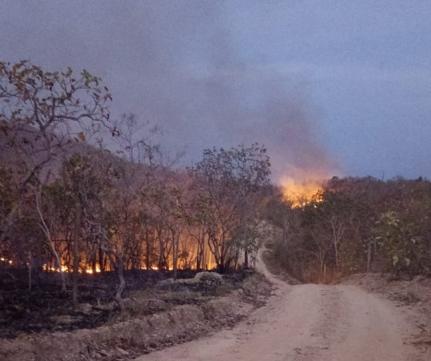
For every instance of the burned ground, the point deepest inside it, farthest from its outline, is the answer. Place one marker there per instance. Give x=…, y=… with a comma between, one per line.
x=47, y=308
x=158, y=312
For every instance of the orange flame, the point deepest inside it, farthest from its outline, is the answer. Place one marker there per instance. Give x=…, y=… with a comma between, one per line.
x=301, y=192
x=65, y=269
x=5, y=260
x=185, y=244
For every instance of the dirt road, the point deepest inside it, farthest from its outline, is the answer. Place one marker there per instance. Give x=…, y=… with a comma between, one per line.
x=305, y=323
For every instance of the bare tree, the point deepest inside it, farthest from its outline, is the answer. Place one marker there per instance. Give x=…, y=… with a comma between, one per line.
x=224, y=180
x=41, y=114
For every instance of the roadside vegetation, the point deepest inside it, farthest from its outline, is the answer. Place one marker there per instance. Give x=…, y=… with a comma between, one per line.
x=355, y=225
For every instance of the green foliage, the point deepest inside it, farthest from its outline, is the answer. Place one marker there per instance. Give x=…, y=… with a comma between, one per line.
x=361, y=224
x=402, y=240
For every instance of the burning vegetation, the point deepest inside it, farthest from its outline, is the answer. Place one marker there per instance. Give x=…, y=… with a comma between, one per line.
x=301, y=192
x=90, y=234
x=70, y=208
x=81, y=227
x=355, y=225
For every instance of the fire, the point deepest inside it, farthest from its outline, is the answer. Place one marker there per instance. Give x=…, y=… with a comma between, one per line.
x=301, y=192
x=64, y=268
x=86, y=268
x=5, y=260
x=188, y=254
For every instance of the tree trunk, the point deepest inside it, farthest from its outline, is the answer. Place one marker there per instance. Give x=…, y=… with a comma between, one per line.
x=76, y=255
x=94, y=263
x=246, y=258
x=30, y=267
x=122, y=283
x=51, y=245
x=161, y=263
x=148, y=250
x=198, y=257
x=175, y=240
x=58, y=260
x=102, y=260
x=370, y=255
x=324, y=273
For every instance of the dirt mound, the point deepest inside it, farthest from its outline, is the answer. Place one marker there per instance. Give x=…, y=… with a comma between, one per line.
x=205, y=282
x=406, y=292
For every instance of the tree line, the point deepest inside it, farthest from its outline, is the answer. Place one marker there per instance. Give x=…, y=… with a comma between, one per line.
x=356, y=225
x=71, y=203
x=81, y=192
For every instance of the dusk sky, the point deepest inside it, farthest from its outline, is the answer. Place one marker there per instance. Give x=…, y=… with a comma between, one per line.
x=332, y=86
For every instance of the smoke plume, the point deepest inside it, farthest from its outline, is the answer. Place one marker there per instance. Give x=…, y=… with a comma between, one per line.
x=178, y=64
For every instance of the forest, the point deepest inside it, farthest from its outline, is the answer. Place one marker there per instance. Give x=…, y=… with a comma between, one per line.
x=356, y=225
x=82, y=194
x=100, y=226
x=215, y=180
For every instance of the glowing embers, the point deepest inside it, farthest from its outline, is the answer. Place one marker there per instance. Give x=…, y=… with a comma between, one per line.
x=4, y=260
x=184, y=263
x=301, y=192
x=87, y=269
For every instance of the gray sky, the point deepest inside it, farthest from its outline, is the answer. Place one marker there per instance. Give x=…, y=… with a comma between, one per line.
x=332, y=86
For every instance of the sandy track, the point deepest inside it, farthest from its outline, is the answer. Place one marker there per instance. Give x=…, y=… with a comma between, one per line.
x=305, y=323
